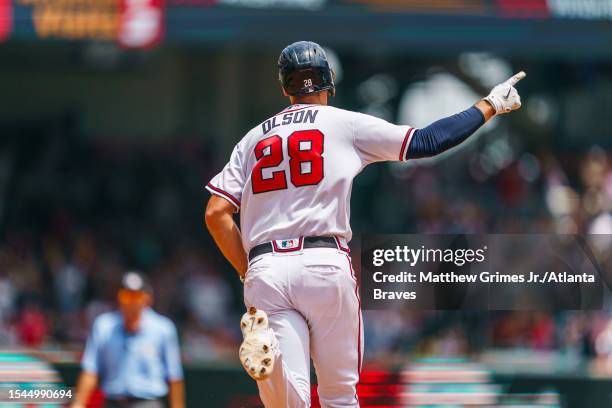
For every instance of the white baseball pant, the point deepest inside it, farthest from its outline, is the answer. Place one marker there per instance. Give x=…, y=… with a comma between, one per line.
x=312, y=302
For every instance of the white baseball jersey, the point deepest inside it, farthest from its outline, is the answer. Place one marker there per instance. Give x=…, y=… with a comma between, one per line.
x=292, y=175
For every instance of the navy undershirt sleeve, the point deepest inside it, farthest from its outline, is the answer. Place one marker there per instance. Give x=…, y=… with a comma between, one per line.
x=444, y=133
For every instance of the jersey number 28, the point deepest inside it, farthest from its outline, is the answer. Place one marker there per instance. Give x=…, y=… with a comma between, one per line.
x=305, y=149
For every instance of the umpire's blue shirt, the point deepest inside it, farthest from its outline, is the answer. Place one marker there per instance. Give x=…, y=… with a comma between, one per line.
x=135, y=365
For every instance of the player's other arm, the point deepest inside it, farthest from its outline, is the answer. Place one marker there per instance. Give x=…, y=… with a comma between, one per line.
x=220, y=223
x=451, y=131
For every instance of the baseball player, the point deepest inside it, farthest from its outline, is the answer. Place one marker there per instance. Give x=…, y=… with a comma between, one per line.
x=290, y=178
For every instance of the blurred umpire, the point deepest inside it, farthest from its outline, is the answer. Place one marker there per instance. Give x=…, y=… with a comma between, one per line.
x=133, y=353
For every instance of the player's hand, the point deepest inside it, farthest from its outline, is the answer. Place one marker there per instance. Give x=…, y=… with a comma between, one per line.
x=504, y=97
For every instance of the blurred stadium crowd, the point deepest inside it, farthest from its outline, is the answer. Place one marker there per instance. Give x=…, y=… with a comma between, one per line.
x=78, y=213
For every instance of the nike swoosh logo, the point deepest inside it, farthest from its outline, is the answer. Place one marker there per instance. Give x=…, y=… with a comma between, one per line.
x=508, y=94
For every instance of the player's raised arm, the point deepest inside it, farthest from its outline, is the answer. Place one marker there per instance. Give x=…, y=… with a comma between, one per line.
x=451, y=131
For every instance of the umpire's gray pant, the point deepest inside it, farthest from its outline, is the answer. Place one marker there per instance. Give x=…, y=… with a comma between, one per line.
x=136, y=404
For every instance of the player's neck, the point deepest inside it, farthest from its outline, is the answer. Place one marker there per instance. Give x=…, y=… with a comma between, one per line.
x=317, y=99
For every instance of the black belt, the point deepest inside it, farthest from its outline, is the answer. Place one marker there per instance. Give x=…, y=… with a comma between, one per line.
x=308, y=242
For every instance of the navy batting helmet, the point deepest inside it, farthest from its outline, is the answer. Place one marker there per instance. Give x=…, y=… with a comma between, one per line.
x=303, y=69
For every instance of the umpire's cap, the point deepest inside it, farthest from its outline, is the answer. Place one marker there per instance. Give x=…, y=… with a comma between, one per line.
x=303, y=69
x=136, y=282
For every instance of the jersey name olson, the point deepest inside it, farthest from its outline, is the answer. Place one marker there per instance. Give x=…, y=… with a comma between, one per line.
x=300, y=116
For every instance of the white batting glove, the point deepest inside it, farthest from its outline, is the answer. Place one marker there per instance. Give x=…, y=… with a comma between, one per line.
x=504, y=97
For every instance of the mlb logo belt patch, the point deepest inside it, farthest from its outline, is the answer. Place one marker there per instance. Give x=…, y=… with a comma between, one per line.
x=287, y=245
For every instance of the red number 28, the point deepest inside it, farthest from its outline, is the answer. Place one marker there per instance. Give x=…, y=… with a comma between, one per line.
x=305, y=149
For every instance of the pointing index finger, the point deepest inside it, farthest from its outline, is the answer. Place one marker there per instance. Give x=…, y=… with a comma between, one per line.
x=516, y=77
